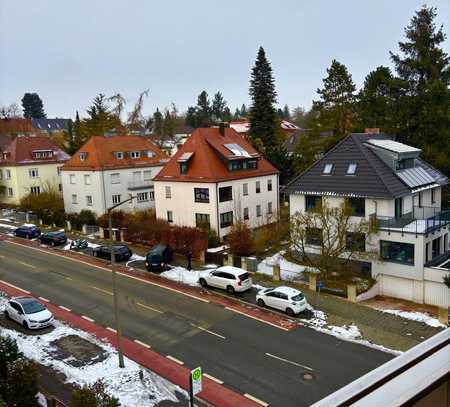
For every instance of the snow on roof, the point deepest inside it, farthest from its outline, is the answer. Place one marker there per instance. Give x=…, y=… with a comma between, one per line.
x=394, y=146
x=287, y=290
x=232, y=270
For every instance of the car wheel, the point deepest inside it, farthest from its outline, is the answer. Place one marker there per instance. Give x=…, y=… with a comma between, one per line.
x=52, y=244
x=203, y=283
x=261, y=303
x=7, y=315
x=290, y=312
x=25, y=324
x=230, y=290
x=95, y=254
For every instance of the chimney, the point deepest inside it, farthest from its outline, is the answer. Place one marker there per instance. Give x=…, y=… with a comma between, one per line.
x=372, y=130
x=222, y=127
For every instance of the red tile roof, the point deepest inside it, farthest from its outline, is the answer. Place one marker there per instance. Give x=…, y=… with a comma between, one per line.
x=15, y=126
x=21, y=151
x=206, y=164
x=101, y=153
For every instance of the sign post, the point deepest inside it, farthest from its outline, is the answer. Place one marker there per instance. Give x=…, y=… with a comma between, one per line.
x=195, y=383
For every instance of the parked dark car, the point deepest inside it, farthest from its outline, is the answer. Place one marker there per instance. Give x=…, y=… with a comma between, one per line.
x=158, y=258
x=121, y=252
x=28, y=232
x=53, y=238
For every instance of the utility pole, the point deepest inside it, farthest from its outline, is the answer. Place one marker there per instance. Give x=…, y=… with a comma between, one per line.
x=114, y=281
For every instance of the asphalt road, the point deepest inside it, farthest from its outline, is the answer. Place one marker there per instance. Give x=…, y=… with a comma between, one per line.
x=247, y=355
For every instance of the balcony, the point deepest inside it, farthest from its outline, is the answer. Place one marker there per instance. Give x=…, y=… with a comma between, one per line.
x=133, y=185
x=421, y=220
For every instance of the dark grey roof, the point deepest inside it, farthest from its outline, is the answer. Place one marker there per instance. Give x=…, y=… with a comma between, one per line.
x=49, y=125
x=292, y=140
x=373, y=178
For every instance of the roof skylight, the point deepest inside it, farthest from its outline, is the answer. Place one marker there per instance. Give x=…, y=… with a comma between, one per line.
x=237, y=150
x=351, y=169
x=327, y=169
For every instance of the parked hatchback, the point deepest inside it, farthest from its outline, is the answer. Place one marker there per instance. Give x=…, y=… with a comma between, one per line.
x=232, y=279
x=27, y=231
x=286, y=299
x=121, y=252
x=29, y=312
x=53, y=238
x=158, y=258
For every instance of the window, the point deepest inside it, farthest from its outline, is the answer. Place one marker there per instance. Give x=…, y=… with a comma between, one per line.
x=245, y=189
x=152, y=195
x=202, y=220
x=436, y=247
x=58, y=170
x=405, y=163
x=147, y=175
x=235, y=165
x=433, y=196
x=327, y=169
x=142, y=197
x=119, y=155
x=89, y=200
x=168, y=192
x=398, y=207
x=150, y=154
x=269, y=185
x=225, y=194
x=226, y=219
x=8, y=174
x=169, y=216
x=10, y=192
x=397, y=252
x=351, y=169
x=313, y=236
x=420, y=199
x=87, y=179
x=116, y=199
x=74, y=199
x=258, y=210
x=115, y=178
x=83, y=156
x=201, y=195
x=60, y=187
x=246, y=214
x=427, y=252
x=183, y=167
x=35, y=190
x=252, y=164
x=312, y=202
x=33, y=173
x=269, y=208
x=357, y=206
x=135, y=154
x=72, y=179
x=355, y=241
x=258, y=187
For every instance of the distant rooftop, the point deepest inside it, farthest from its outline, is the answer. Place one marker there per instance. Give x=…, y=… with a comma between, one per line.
x=393, y=146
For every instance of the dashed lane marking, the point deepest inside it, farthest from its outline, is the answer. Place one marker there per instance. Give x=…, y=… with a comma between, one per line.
x=150, y=308
x=208, y=331
x=111, y=329
x=102, y=290
x=290, y=362
x=256, y=318
x=142, y=344
x=175, y=360
x=214, y=379
x=14, y=286
x=64, y=308
x=27, y=264
x=87, y=318
x=256, y=400
x=44, y=299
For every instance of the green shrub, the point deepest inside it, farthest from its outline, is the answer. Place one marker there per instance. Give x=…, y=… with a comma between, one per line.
x=93, y=395
x=9, y=353
x=22, y=385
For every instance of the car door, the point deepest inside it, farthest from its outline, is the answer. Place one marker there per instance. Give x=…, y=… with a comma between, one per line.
x=270, y=298
x=283, y=301
x=216, y=278
x=227, y=279
x=14, y=311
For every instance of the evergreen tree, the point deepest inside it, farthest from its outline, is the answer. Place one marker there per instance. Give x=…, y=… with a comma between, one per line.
x=243, y=112
x=32, y=105
x=9, y=353
x=168, y=125
x=424, y=69
x=219, y=105
x=93, y=396
x=227, y=116
x=158, y=123
x=203, y=110
x=191, y=117
x=78, y=137
x=101, y=119
x=263, y=117
x=69, y=138
x=286, y=113
x=22, y=384
x=280, y=113
x=280, y=158
x=336, y=107
x=237, y=114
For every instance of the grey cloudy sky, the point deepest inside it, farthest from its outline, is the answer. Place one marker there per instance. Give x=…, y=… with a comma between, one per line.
x=68, y=51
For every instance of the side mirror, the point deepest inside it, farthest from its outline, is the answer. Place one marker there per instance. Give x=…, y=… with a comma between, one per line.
x=20, y=312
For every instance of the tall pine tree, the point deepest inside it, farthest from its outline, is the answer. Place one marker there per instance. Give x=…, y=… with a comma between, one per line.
x=263, y=115
x=32, y=105
x=219, y=105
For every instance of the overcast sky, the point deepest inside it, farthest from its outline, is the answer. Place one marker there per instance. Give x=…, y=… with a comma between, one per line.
x=69, y=51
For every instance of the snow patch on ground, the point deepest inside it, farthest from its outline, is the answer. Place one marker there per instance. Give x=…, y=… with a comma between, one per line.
x=6, y=226
x=135, y=257
x=289, y=271
x=415, y=316
x=217, y=249
x=182, y=275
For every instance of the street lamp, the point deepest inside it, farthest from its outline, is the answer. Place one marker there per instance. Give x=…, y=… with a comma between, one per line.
x=113, y=269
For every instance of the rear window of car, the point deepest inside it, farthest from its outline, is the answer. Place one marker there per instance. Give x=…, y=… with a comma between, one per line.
x=243, y=276
x=298, y=297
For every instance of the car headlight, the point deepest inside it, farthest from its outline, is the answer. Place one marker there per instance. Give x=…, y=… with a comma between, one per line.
x=33, y=321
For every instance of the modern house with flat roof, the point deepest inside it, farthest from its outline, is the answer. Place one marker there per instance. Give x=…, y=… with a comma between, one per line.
x=386, y=182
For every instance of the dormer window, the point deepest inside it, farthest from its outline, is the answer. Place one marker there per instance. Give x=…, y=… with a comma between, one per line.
x=405, y=163
x=150, y=154
x=183, y=167
x=83, y=156
x=119, y=155
x=183, y=161
x=135, y=154
x=42, y=153
x=351, y=169
x=327, y=169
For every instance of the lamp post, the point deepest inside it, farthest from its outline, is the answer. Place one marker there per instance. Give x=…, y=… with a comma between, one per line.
x=114, y=280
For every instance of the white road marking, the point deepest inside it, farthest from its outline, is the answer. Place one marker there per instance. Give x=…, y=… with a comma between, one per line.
x=290, y=362
x=142, y=344
x=150, y=308
x=14, y=286
x=27, y=264
x=213, y=378
x=208, y=331
x=175, y=360
x=256, y=318
x=69, y=278
x=87, y=318
x=111, y=329
x=2, y=257
x=260, y=402
x=102, y=290
x=44, y=299
x=65, y=309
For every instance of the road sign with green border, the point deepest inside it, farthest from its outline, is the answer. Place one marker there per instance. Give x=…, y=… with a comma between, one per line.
x=196, y=379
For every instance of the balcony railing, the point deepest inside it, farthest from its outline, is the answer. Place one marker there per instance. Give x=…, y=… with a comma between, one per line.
x=421, y=220
x=132, y=185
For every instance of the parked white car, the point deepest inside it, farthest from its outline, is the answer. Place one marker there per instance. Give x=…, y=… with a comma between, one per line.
x=286, y=299
x=232, y=279
x=29, y=312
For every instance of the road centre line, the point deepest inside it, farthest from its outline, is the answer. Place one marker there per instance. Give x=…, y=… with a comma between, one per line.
x=43, y=299
x=87, y=318
x=175, y=360
x=150, y=308
x=64, y=308
x=214, y=379
x=290, y=362
x=14, y=286
x=256, y=318
x=142, y=344
x=101, y=290
x=208, y=331
x=27, y=264
x=253, y=398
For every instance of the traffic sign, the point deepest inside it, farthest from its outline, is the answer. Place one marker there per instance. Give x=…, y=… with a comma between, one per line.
x=196, y=380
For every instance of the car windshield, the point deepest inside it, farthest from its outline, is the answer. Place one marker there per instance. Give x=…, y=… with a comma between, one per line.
x=120, y=249
x=32, y=306
x=298, y=297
